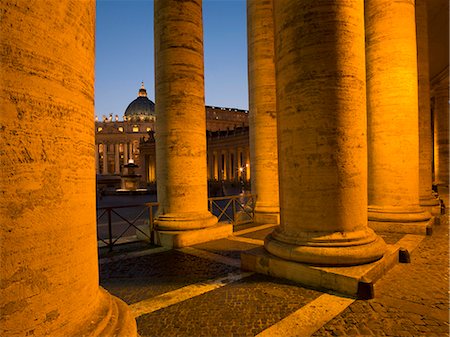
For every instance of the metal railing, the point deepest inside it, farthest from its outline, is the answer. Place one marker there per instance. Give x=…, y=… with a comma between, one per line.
x=235, y=209
x=114, y=223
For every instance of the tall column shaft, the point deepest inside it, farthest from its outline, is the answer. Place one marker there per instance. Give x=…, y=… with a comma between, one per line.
x=262, y=103
x=392, y=107
x=125, y=153
x=426, y=197
x=49, y=266
x=105, y=159
x=322, y=134
x=215, y=167
x=441, y=129
x=179, y=92
x=116, y=159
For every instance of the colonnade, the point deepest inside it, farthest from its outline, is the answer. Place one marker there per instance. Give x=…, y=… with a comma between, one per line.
x=113, y=156
x=229, y=164
x=338, y=150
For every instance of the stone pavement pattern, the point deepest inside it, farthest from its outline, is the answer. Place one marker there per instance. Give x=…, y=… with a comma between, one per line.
x=411, y=300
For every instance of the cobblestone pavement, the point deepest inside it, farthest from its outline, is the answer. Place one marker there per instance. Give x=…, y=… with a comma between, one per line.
x=243, y=308
x=138, y=278
x=411, y=299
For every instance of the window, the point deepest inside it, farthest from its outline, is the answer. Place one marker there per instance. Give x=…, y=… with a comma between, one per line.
x=135, y=128
x=120, y=129
x=99, y=129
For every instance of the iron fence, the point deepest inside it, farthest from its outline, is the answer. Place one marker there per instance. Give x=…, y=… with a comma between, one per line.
x=132, y=223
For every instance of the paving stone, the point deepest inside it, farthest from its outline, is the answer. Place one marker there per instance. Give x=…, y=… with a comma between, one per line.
x=260, y=235
x=226, y=247
x=243, y=308
x=139, y=278
x=411, y=300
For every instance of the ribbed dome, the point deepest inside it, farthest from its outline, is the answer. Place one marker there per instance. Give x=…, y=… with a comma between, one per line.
x=141, y=107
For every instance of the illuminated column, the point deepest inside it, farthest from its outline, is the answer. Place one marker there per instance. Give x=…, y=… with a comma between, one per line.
x=181, y=156
x=219, y=171
x=49, y=266
x=223, y=166
x=322, y=135
x=441, y=129
x=105, y=159
x=125, y=153
x=392, y=108
x=116, y=159
x=426, y=197
x=237, y=171
x=229, y=167
x=97, y=164
x=247, y=163
x=216, y=166
x=262, y=101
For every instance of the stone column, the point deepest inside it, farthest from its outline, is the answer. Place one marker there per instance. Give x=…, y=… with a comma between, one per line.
x=247, y=163
x=441, y=128
x=125, y=153
x=392, y=108
x=97, y=164
x=262, y=103
x=426, y=197
x=322, y=135
x=105, y=159
x=49, y=266
x=216, y=166
x=179, y=92
x=116, y=159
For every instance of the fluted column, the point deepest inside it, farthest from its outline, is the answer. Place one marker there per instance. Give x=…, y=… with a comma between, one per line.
x=105, y=158
x=116, y=159
x=262, y=102
x=49, y=266
x=322, y=134
x=179, y=91
x=392, y=107
x=441, y=128
x=426, y=197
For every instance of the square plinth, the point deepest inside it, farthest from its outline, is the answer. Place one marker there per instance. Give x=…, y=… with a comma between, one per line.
x=178, y=239
x=355, y=281
x=421, y=228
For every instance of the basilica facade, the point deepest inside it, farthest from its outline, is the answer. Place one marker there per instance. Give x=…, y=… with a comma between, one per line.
x=133, y=138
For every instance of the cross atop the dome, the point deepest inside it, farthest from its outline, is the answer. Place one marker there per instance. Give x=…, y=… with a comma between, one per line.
x=142, y=91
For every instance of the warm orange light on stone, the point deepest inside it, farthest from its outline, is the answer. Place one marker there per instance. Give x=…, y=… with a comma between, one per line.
x=322, y=135
x=49, y=271
x=441, y=128
x=392, y=107
x=180, y=155
x=426, y=198
x=262, y=101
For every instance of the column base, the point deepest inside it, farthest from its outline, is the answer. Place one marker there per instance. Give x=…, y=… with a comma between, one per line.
x=394, y=220
x=421, y=228
x=431, y=205
x=185, y=221
x=262, y=217
x=178, y=239
x=327, y=249
x=355, y=281
x=113, y=318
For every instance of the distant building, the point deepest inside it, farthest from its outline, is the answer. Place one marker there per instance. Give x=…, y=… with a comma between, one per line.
x=117, y=141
